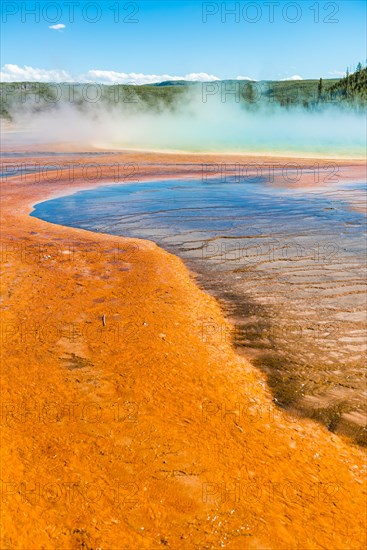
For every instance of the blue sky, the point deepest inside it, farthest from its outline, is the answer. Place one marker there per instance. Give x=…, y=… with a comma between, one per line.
x=172, y=38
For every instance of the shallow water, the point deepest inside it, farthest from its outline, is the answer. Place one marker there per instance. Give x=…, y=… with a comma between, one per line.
x=288, y=263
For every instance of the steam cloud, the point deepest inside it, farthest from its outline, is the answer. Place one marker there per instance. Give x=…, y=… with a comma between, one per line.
x=197, y=126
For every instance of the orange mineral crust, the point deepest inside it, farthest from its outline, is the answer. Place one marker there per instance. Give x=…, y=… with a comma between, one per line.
x=123, y=425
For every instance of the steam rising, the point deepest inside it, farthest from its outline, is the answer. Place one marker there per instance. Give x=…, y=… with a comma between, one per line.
x=197, y=126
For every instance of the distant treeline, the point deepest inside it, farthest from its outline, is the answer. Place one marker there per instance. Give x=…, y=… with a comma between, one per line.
x=22, y=97
x=349, y=92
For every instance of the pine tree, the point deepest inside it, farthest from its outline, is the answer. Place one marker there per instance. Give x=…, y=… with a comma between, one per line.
x=320, y=89
x=347, y=82
x=250, y=93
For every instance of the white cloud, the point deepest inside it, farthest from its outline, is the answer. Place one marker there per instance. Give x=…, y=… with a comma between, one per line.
x=14, y=73
x=337, y=73
x=245, y=78
x=294, y=77
x=57, y=27
x=201, y=77
x=113, y=77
